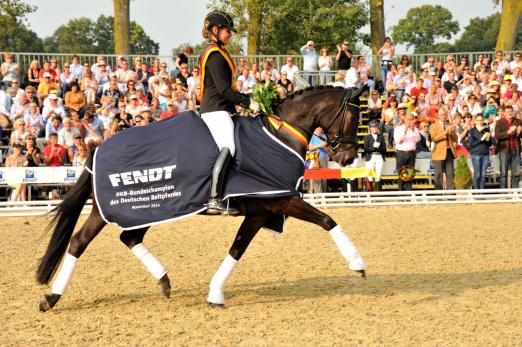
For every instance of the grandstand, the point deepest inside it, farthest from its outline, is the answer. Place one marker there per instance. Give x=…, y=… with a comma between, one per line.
x=161, y=82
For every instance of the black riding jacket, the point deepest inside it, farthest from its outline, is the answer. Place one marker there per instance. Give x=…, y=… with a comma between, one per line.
x=218, y=94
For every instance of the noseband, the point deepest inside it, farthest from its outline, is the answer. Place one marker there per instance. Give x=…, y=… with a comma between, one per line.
x=340, y=138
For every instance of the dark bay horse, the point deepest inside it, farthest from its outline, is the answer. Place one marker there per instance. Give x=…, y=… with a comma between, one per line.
x=336, y=110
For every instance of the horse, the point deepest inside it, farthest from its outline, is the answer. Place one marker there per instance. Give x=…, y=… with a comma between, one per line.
x=336, y=110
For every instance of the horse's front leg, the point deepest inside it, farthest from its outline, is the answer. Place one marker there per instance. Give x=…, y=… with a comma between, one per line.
x=300, y=209
x=245, y=234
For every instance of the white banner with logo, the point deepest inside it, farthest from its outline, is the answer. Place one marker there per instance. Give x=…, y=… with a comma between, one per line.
x=40, y=175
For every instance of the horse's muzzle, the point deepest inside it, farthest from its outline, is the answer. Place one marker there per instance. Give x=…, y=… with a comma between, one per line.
x=345, y=157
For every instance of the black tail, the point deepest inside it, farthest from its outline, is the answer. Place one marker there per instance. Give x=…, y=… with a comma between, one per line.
x=64, y=221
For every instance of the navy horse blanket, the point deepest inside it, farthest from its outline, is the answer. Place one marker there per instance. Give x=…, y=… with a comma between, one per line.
x=161, y=172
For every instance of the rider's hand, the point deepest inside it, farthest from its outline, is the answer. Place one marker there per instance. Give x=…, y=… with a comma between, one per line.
x=254, y=106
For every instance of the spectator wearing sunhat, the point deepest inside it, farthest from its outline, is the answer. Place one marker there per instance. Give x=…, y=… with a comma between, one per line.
x=506, y=86
x=375, y=152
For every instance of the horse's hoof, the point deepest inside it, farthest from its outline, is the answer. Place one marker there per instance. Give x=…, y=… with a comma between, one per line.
x=165, y=286
x=48, y=302
x=363, y=273
x=219, y=306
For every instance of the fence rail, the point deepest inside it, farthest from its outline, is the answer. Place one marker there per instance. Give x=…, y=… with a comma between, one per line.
x=328, y=200
x=416, y=60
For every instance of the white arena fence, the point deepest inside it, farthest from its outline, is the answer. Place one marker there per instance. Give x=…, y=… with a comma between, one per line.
x=327, y=200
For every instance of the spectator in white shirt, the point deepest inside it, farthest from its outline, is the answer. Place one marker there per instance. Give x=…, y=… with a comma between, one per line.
x=309, y=62
x=290, y=68
x=246, y=81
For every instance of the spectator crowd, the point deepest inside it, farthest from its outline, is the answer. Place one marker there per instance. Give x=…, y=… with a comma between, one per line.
x=57, y=114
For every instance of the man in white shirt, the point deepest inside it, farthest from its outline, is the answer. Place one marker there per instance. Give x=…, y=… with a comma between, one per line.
x=352, y=78
x=52, y=109
x=67, y=133
x=246, y=81
x=309, y=62
x=290, y=69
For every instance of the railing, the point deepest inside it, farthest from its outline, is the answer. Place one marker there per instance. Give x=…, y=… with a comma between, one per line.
x=416, y=60
x=327, y=200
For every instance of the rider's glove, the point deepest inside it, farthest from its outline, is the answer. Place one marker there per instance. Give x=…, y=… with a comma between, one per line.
x=254, y=106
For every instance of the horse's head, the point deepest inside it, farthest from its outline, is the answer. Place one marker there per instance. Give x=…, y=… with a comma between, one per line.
x=336, y=110
x=341, y=126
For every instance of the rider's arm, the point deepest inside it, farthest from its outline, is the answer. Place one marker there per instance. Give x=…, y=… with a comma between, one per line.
x=218, y=68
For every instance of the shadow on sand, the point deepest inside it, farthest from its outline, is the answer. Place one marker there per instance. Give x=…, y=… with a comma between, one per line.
x=439, y=286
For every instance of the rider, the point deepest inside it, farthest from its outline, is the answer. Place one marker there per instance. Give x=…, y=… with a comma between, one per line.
x=219, y=96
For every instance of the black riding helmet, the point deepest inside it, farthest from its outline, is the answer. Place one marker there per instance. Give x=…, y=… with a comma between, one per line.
x=219, y=19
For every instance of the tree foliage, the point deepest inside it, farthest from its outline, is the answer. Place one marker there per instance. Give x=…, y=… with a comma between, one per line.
x=82, y=35
x=286, y=25
x=423, y=26
x=14, y=34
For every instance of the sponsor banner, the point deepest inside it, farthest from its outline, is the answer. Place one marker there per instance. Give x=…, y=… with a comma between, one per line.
x=40, y=175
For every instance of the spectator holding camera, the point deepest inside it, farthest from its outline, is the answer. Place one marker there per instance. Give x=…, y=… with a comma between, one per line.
x=344, y=57
x=309, y=62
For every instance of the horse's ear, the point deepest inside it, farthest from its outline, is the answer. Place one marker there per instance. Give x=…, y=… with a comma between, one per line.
x=356, y=94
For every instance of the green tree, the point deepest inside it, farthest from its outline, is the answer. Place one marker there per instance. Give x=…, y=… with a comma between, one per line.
x=15, y=35
x=423, y=26
x=283, y=26
x=479, y=35
x=83, y=35
x=324, y=22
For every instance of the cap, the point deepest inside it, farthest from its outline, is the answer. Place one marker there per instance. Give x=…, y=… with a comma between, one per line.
x=17, y=145
x=113, y=74
x=492, y=91
x=345, y=42
x=310, y=42
x=46, y=74
x=374, y=123
x=133, y=97
x=145, y=109
x=52, y=97
x=402, y=105
x=121, y=57
x=102, y=63
x=433, y=73
x=507, y=78
x=494, y=83
x=220, y=19
x=170, y=102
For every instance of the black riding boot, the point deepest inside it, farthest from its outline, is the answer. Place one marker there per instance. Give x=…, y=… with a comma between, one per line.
x=215, y=202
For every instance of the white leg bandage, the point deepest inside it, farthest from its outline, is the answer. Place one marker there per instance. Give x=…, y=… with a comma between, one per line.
x=220, y=278
x=347, y=249
x=155, y=267
x=64, y=276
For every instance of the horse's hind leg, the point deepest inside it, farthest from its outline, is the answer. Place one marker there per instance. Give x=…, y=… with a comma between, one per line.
x=298, y=208
x=134, y=240
x=79, y=243
x=245, y=234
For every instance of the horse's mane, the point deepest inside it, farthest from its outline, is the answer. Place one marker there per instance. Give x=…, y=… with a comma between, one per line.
x=308, y=91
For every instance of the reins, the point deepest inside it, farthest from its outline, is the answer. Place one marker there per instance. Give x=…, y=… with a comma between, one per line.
x=339, y=137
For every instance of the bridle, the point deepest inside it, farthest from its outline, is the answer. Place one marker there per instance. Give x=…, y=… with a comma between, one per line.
x=340, y=138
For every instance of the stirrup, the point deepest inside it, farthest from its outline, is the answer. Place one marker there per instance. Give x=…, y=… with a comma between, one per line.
x=216, y=206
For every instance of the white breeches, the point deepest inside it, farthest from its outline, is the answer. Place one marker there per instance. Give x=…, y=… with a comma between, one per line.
x=376, y=162
x=221, y=127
